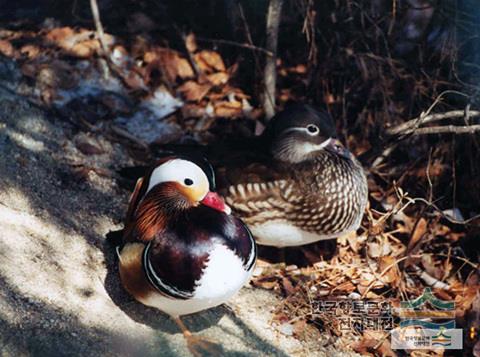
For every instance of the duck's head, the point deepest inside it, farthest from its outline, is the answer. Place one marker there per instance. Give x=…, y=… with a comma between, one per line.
x=299, y=132
x=177, y=184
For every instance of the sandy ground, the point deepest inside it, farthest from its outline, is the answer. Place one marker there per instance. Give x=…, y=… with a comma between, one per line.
x=59, y=288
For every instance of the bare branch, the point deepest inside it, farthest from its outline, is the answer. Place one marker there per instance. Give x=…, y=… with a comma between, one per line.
x=98, y=26
x=448, y=129
x=236, y=44
x=412, y=125
x=270, y=73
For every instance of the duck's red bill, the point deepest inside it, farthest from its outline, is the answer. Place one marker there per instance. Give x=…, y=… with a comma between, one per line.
x=213, y=200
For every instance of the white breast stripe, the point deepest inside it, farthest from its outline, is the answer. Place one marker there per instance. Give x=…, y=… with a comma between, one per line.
x=157, y=282
x=253, y=253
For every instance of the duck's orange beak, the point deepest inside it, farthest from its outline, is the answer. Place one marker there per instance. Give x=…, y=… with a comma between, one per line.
x=214, y=201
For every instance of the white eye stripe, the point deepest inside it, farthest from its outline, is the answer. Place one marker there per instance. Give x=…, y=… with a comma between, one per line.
x=304, y=130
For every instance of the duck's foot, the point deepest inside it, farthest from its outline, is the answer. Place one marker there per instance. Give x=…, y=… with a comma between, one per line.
x=199, y=346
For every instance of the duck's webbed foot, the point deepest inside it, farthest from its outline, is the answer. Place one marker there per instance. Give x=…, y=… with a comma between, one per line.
x=199, y=346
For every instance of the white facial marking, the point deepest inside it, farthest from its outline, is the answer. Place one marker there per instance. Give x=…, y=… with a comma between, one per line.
x=304, y=130
x=178, y=170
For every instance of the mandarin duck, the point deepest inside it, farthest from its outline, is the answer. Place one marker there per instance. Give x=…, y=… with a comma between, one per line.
x=183, y=251
x=296, y=183
x=292, y=185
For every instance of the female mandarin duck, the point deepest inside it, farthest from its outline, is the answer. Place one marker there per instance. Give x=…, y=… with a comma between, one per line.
x=296, y=184
x=183, y=252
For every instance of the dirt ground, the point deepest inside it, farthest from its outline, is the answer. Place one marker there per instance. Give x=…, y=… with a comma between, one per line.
x=59, y=289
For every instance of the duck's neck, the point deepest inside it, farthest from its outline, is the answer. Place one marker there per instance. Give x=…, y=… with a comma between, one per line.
x=155, y=213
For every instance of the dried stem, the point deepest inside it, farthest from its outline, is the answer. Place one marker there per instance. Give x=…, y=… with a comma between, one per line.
x=98, y=25
x=270, y=72
x=411, y=126
x=236, y=44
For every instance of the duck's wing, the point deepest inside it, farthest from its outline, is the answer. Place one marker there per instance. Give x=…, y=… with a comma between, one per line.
x=172, y=269
x=260, y=191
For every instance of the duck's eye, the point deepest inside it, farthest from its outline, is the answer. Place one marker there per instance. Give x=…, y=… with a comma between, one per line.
x=313, y=129
x=188, y=182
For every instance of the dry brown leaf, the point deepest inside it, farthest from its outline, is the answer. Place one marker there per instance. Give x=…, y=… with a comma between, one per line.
x=268, y=285
x=191, y=43
x=168, y=62
x=287, y=286
x=228, y=109
x=190, y=110
x=376, y=250
x=134, y=80
x=209, y=61
x=371, y=340
x=465, y=298
x=391, y=275
x=193, y=91
x=418, y=233
x=6, y=48
x=30, y=51
x=299, y=328
x=346, y=287
x=218, y=78
x=88, y=148
x=60, y=35
x=84, y=49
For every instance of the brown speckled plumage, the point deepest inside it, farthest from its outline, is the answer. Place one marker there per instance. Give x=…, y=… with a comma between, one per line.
x=324, y=192
x=326, y=195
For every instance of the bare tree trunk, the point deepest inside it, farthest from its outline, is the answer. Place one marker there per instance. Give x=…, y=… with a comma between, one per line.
x=270, y=73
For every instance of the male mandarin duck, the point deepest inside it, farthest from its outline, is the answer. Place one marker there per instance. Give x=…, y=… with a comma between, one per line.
x=296, y=183
x=183, y=251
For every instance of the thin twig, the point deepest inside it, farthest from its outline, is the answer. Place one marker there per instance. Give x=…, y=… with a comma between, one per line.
x=436, y=208
x=270, y=72
x=236, y=44
x=191, y=58
x=430, y=280
x=411, y=125
x=98, y=26
x=126, y=135
x=448, y=129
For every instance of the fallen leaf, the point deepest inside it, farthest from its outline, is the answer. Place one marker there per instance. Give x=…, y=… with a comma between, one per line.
x=374, y=341
x=87, y=147
x=287, y=286
x=376, y=250
x=209, y=61
x=228, y=109
x=30, y=51
x=391, y=275
x=193, y=91
x=218, y=78
x=193, y=111
x=6, y=48
x=191, y=43
x=418, y=233
x=168, y=62
x=299, y=328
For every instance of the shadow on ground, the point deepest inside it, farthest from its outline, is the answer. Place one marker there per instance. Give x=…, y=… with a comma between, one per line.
x=59, y=288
